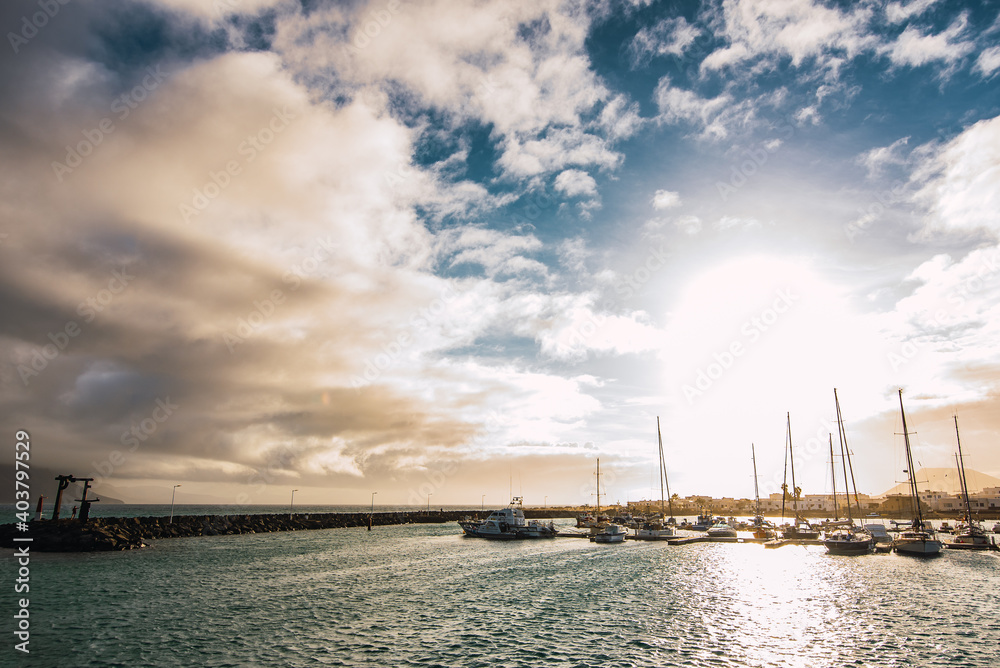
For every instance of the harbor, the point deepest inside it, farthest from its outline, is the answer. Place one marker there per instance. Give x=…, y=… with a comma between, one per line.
x=443, y=599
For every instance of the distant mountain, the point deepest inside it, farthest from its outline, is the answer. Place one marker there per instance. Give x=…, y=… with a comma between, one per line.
x=946, y=480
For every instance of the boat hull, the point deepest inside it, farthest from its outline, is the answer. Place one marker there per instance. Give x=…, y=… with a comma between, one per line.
x=918, y=547
x=849, y=547
x=969, y=542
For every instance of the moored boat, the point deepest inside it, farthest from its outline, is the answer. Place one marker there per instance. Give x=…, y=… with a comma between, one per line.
x=508, y=524
x=969, y=535
x=919, y=539
x=849, y=541
x=612, y=533
x=844, y=538
x=659, y=528
x=721, y=530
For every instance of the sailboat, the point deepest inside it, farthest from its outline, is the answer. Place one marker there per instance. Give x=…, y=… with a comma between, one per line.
x=919, y=539
x=800, y=528
x=970, y=535
x=595, y=521
x=762, y=529
x=659, y=528
x=847, y=539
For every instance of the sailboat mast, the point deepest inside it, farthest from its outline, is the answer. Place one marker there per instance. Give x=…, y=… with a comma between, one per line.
x=844, y=458
x=846, y=452
x=833, y=475
x=756, y=490
x=784, y=481
x=663, y=472
x=791, y=454
x=598, y=488
x=961, y=476
x=909, y=463
x=660, y=440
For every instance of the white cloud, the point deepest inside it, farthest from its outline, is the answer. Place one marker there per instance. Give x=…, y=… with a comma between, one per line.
x=988, y=61
x=808, y=115
x=897, y=12
x=670, y=36
x=677, y=104
x=620, y=119
x=799, y=29
x=731, y=222
x=690, y=225
x=877, y=158
x=914, y=48
x=496, y=252
x=960, y=181
x=665, y=199
x=557, y=149
x=522, y=69
x=576, y=183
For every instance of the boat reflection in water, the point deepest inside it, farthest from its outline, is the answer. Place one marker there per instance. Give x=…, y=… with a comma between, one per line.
x=508, y=524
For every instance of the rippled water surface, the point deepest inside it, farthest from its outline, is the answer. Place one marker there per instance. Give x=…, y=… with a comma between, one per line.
x=423, y=595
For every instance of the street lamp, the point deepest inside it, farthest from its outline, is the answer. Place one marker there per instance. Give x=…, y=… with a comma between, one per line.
x=172, y=495
x=428, y=503
x=482, y=504
x=372, y=512
x=545, y=504
x=291, y=504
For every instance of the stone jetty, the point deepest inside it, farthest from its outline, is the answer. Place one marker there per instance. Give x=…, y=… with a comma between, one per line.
x=126, y=533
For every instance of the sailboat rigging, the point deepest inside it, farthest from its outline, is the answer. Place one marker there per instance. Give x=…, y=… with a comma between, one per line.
x=970, y=535
x=659, y=528
x=920, y=538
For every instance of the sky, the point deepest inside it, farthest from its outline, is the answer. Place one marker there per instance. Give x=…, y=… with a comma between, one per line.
x=447, y=253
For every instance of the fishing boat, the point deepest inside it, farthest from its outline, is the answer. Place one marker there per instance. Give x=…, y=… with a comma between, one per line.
x=970, y=535
x=919, y=539
x=845, y=538
x=508, y=524
x=659, y=528
x=612, y=533
x=703, y=523
x=800, y=527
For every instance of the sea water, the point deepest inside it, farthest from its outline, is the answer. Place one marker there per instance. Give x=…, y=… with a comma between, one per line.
x=424, y=595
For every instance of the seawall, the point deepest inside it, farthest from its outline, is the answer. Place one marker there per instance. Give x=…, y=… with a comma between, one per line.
x=125, y=533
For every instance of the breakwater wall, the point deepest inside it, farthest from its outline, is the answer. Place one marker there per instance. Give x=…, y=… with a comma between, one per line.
x=125, y=533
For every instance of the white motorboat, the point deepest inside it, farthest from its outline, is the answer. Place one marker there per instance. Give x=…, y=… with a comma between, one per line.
x=508, y=524
x=721, y=530
x=612, y=533
x=656, y=529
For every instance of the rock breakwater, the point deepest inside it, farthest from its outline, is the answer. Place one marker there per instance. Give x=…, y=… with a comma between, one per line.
x=126, y=533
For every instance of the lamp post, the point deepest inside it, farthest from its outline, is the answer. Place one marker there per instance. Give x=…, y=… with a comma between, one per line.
x=291, y=504
x=482, y=504
x=428, y=503
x=545, y=504
x=172, y=495
x=371, y=513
